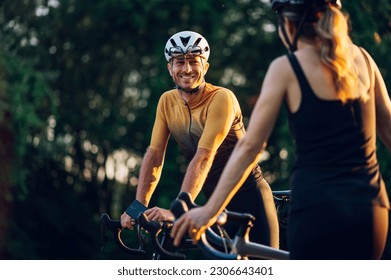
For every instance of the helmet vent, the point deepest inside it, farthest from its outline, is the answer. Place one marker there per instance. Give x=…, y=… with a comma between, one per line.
x=185, y=40
x=197, y=42
x=173, y=42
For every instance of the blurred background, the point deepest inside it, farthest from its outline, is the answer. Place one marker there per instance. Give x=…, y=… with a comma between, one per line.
x=79, y=84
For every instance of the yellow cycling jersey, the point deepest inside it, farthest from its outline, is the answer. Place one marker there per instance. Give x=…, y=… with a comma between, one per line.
x=212, y=120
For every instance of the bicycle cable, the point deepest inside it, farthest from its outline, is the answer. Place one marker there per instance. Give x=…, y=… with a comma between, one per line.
x=226, y=239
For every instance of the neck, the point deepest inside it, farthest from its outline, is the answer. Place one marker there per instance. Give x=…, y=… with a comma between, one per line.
x=188, y=94
x=191, y=91
x=309, y=44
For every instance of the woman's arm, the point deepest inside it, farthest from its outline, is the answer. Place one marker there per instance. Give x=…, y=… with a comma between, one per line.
x=248, y=149
x=383, y=108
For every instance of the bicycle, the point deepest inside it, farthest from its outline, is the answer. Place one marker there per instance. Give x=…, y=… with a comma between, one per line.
x=240, y=247
x=158, y=233
x=148, y=232
x=281, y=200
x=151, y=232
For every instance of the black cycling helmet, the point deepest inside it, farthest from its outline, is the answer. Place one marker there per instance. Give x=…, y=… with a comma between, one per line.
x=300, y=11
x=301, y=5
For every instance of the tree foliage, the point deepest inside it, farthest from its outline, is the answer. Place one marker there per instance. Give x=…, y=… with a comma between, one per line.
x=79, y=84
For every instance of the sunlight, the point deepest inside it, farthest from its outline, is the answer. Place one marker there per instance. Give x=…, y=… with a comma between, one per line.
x=231, y=76
x=120, y=164
x=283, y=153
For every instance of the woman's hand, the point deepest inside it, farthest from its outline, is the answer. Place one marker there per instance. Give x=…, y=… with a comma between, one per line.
x=194, y=223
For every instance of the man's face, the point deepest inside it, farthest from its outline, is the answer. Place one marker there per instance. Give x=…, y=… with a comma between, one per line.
x=188, y=72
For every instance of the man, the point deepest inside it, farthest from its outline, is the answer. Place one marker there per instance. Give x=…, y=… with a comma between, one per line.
x=206, y=122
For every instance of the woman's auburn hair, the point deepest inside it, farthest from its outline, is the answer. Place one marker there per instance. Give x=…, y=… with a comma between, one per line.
x=336, y=52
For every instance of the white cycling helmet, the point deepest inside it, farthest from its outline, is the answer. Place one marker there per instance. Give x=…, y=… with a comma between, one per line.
x=186, y=43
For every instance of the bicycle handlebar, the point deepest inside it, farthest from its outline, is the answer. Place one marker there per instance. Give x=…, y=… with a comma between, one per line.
x=178, y=208
x=244, y=219
x=115, y=227
x=155, y=228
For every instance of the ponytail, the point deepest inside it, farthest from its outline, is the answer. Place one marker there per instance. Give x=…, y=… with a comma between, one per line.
x=337, y=53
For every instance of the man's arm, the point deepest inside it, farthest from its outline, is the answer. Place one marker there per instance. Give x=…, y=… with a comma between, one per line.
x=151, y=169
x=152, y=165
x=149, y=176
x=192, y=183
x=197, y=171
x=221, y=114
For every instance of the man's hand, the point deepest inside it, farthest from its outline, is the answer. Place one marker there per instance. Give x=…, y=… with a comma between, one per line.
x=127, y=221
x=159, y=214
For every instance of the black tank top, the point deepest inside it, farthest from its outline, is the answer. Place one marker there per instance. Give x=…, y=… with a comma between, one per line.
x=335, y=150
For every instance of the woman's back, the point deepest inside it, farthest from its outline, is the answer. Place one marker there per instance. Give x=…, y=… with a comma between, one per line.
x=320, y=77
x=335, y=141
x=334, y=95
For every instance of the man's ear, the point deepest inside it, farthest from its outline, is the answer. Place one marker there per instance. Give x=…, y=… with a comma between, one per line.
x=169, y=67
x=206, y=67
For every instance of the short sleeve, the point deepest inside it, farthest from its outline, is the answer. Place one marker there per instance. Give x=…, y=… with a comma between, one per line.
x=160, y=131
x=221, y=114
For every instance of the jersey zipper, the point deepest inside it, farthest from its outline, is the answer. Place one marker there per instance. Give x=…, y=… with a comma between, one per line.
x=190, y=124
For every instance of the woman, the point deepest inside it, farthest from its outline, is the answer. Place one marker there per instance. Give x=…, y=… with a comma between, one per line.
x=336, y=100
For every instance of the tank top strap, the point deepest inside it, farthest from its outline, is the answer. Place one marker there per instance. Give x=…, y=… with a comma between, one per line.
x=303, y=82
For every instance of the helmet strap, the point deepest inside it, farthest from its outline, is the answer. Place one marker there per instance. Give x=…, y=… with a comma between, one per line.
x=284, y=34
x=293, y=44
x=190, y=91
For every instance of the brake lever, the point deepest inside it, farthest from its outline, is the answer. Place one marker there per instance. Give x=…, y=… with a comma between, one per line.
x=178, y=208
x=115, y=227
x=154, y=228
x=184, y=203
x=105, y=223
